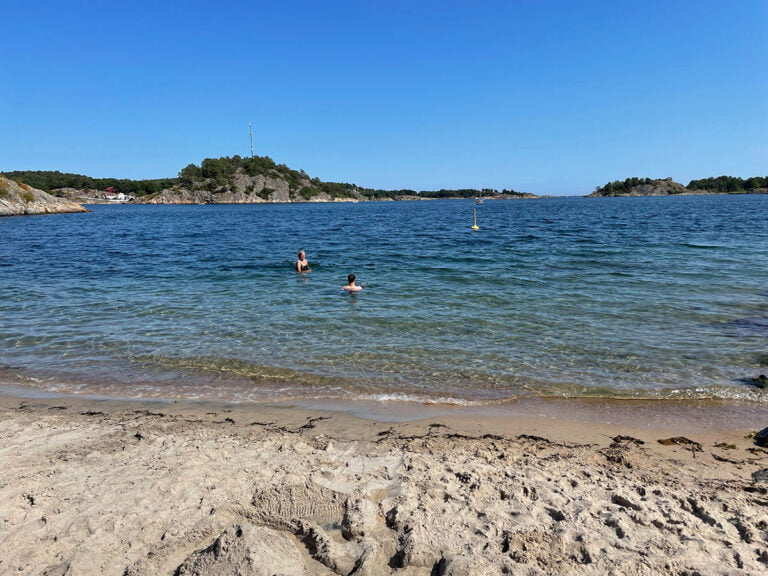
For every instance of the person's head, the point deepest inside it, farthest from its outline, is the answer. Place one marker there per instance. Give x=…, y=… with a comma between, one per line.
x=302, y=255
x=351, y=279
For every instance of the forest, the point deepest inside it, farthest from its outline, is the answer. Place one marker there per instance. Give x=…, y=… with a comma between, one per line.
x=52, y=180
x=729, y=184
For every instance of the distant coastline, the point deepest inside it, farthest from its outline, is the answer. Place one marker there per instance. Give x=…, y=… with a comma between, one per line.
x=256, y=180
x=234, y=180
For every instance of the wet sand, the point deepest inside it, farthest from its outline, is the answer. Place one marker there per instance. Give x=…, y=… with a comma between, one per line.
x=539, y=487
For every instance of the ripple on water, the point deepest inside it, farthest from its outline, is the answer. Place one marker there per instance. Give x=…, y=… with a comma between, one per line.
x=554, y=297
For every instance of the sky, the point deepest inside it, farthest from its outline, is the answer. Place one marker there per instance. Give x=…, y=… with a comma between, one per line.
x=544, y=96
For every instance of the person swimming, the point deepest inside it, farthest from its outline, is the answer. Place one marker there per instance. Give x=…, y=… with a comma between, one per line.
x=351, y=286
x=302, y=264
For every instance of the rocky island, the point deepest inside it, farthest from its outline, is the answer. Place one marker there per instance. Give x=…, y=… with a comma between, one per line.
x=18, y=198
x=668, y=187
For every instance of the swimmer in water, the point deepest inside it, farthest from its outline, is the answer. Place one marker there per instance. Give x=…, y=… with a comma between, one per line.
x=302, y=264
x=351, y=287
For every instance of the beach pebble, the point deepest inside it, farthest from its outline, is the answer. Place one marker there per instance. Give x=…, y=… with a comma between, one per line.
x=760, y=381
x=761, y=438
x=760, y=475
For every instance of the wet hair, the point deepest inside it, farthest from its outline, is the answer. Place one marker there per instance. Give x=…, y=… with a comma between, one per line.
x=300, y=253
x=351, y=278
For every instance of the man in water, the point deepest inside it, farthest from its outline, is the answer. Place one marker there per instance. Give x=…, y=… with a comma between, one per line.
x=302, y=264
x=351, y=287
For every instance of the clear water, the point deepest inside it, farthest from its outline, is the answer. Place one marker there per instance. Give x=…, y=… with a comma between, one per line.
x=625, y=297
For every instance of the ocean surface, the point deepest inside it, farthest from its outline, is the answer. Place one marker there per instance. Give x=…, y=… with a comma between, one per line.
x=555, y=297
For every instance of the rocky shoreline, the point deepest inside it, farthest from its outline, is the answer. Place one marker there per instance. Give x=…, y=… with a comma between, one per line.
x=658, y=193
x=18, y=199
x=185, y=196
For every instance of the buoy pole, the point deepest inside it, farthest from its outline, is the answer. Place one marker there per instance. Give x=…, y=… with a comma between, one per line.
x=474, y=219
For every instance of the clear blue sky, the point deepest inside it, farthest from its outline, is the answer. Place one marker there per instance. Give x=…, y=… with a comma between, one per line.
x=544, y=96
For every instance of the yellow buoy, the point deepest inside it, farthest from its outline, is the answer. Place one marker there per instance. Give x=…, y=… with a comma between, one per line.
x=474, y=218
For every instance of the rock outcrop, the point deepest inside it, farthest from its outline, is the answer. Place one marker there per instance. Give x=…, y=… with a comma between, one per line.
x=16, y=199
x=243, y=189
x=659, y=188
x=645, y=187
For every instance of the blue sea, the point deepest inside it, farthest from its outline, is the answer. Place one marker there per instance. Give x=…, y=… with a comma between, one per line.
x=657, y=298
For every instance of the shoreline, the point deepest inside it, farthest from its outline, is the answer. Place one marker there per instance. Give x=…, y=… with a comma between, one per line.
x=590, y=421
x=145, y=487
x=696, y=414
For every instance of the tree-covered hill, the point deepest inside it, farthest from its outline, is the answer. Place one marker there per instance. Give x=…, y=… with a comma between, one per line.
x=239, y=180
x=640, y=187
x=221, y=175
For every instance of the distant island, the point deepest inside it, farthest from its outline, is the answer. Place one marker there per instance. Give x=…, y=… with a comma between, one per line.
x=667, y=187
x=232, y=180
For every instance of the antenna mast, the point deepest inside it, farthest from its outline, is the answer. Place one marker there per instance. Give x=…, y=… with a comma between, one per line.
x=250, y=132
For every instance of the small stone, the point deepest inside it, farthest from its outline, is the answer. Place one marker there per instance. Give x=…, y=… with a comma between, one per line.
x=761, y=438
x=760, y=475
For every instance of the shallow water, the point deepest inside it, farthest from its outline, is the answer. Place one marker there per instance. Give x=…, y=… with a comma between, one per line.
x=624, y=297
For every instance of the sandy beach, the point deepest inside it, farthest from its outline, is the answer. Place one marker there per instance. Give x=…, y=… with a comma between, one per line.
x=131, y=489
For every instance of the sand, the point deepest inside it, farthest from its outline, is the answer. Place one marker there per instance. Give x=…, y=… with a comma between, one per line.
x=128, y=489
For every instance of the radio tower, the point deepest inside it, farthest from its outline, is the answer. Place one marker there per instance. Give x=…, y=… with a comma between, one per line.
x=250, y=132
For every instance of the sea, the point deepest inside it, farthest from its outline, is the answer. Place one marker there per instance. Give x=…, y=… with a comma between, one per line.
x=657, y=298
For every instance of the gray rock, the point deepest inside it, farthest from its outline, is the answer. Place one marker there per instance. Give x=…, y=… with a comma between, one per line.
x=761, y=438
x=17, y=199
x=760, y=475
x=761, y=381
x=242, y=189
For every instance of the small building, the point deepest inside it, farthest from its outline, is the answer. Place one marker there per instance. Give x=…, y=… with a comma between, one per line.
x=111, y=194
